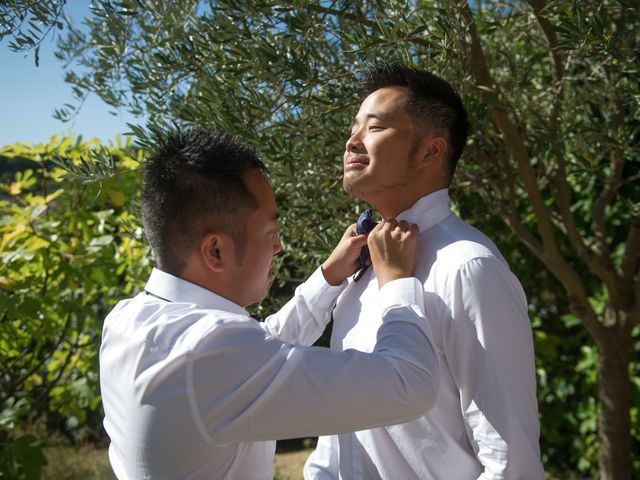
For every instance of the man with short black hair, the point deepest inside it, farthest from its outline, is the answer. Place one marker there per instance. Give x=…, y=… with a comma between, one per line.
x=400, y=157
x=192, y=386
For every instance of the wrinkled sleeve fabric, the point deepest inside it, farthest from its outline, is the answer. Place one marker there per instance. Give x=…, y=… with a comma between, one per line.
x=248, y=385
x=323, y=463
x=303, y=318
x=489, y=348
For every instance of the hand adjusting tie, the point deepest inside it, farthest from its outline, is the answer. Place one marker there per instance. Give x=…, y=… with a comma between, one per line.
x=364, y=225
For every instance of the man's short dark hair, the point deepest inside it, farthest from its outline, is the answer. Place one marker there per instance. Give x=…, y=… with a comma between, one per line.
x=432, y=103
x=193, y=183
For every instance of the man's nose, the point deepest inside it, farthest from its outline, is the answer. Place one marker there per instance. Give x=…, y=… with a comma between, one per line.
x=354, y=143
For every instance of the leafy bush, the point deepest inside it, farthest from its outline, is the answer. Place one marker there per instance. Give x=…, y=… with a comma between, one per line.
x=70, y=249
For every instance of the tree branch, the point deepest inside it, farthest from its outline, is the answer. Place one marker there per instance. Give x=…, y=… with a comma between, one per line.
x=49, y=384
x=604, y=199
x=628, y=266
x=341, y=14
x=523, y=233
x=598, y=262
x=634, y=314
x=539, y=7
x=512, y=136
x=15, y=383
x=362, y=20
x=45, y=15
x=607, y=271
x=551, y=256
x=567, y=276
x=563, y=191
x=598, y=259
x=513, y=220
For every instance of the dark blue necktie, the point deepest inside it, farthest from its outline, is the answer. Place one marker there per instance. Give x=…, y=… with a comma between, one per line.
x=364, y=225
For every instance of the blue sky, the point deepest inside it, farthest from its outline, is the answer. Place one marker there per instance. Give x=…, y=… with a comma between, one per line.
x=30, y=94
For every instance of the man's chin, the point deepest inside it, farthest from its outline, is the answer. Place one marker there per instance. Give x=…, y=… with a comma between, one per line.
x=351, y=188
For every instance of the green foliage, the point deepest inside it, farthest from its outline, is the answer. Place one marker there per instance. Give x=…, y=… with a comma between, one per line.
x=22, y=458
x=283, y=76
x=28, y=23
x=553, y=100
x=69, y=252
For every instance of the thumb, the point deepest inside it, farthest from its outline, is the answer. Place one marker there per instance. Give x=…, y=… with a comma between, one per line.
x=358, y=241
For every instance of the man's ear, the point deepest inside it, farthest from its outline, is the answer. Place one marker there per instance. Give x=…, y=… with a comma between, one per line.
x=215, y=250
x=434, y=149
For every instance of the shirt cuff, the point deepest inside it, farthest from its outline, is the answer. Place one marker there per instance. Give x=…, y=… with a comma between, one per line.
x=319, y=293
x=401, y=292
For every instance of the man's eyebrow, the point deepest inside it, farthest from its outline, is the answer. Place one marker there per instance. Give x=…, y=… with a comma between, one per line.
x=381, y=116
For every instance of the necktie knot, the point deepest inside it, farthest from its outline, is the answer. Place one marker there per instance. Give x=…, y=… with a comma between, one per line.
x=364, y=225
x=365, y=222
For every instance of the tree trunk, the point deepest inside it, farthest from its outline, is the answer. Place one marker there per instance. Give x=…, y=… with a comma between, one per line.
x=614, y=423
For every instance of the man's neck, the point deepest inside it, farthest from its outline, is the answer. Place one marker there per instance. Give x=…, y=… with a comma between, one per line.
x=390, y=205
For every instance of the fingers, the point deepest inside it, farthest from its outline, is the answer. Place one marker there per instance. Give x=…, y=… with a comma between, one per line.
x=392, y=225
x=350, y=231
x=352, y=239
x=392, y=246
x=386, y=225
x=407, y=227
x=403, y=226
x=358, y=241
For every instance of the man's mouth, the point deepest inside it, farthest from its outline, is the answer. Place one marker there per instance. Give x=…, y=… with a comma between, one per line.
x=356, y=161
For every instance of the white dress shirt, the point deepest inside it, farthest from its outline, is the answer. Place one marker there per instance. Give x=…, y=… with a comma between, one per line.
x=192, y=386
x=485, y=422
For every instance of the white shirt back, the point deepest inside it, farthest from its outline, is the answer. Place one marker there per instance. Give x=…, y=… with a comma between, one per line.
x=193, y=388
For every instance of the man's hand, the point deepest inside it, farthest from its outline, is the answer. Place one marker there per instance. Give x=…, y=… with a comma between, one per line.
x=392, y=247
x=343, y=260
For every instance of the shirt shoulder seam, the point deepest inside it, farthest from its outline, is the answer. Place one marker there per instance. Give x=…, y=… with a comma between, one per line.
x=195, y=412
x=480, y=259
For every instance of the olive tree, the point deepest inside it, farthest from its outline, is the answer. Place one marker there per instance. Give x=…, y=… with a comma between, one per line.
x=552, y=92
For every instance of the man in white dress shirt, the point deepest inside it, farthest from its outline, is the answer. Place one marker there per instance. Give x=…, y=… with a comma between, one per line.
x=192, y=386
x=400, y=158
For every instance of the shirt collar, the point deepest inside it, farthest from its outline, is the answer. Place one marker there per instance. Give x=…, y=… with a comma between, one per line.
x=429, y=210
x=175, y=289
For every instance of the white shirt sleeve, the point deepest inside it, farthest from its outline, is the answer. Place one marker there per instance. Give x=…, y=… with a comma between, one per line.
x=489, y=349
x=323, y=463
x=248, y=385
x=303, y=318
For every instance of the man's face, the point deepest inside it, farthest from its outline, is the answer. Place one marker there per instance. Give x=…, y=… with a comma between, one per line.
x=252, y=274
x=378, y=155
